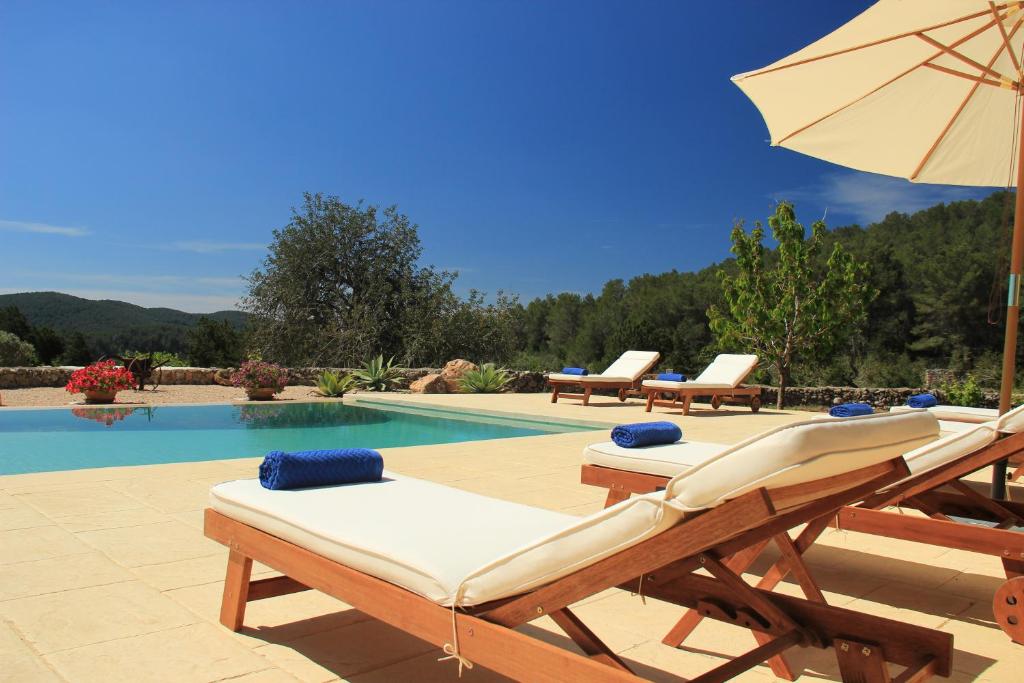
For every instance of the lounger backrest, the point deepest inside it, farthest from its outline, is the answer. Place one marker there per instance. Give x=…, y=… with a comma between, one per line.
x=632, y=364
x=799, y=453
x=1012, y=421
x=950, y=447
x=728, y=368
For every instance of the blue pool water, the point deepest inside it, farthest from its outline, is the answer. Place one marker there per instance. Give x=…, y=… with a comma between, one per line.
x=46, y=440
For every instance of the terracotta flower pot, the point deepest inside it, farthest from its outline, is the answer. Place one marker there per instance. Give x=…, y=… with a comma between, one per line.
x=260, y=393
x=100, y=396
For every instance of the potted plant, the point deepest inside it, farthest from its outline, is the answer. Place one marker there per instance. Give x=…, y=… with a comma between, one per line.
x=261, y=380
x=100, y=381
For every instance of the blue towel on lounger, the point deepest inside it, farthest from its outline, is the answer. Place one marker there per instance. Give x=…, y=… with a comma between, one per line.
x=851, y=410
x=646, y=434
x=922, y=401
x=280, y=470
x=671, y=377
x=574, y=371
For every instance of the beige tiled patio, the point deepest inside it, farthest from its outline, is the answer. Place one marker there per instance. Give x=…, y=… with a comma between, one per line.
x=105, y=574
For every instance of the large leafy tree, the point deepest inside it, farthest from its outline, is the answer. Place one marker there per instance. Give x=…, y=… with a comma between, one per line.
x=789, y=309
x=343, y=283
x=213, y=343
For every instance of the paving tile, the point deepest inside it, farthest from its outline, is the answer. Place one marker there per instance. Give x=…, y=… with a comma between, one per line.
x=18, y=661
x=21, y=517
x=151, y=544
x=110, y=520
x=426, y=669
x=345, y=652
x=190, y=653
x=53, y=575
x=166, y=495
x=38, y=543
x=193, y=571
x=73, y=618
x=83, y=500
x=274, y=620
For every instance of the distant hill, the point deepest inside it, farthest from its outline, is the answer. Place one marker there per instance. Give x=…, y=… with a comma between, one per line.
x=113, y=326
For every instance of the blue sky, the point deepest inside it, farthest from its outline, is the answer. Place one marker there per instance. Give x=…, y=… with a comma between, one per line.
x=149, y=149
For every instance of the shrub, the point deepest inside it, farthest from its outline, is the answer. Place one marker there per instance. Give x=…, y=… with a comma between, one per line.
x=376, y=375
x=100, y=376
x=333, y=385
x=15, y=352
x=487, y=380
x=257, y=374
x=965, y=393
x=161, y=358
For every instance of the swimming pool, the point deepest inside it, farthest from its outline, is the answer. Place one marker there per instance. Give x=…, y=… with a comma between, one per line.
x=82, y=437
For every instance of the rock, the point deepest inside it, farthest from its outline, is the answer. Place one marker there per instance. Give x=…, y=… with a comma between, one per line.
x=429, y=384
x=454, y=370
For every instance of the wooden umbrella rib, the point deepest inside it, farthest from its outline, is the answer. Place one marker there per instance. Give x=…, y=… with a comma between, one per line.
x=961, y=56
x=963, y=105
x=892, y=80
x=1006, y=38
x=966, y=76
x=873, y=43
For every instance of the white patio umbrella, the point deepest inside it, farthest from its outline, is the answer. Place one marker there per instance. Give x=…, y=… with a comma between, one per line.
x=927, y=90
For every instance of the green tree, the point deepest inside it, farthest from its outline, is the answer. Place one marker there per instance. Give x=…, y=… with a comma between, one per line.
x=76, y=350
x=48, y=343
x=15, y=352
x=342, y=283
x=13, y=320
x=789, y=311
x=214, y=344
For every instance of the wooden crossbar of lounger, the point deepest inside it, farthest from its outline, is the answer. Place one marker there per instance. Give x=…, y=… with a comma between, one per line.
x=623, y=390
x=485, y=632
x=920, y=492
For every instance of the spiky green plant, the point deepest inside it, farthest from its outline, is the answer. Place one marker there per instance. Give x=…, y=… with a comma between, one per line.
x=333, y=385
x=376, y=375
x=487, y=380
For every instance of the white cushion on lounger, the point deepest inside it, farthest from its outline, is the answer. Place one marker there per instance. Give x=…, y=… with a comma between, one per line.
x=433, y=539
x=590, y=379
x=801, y=451
x=950, y=447
x=727, y=371
x=1010, y=423
x=727, y=368
x=632, y=364
x=663, y=461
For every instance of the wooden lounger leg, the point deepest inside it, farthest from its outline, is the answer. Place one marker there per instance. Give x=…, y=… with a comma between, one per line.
x=236, y=590
x=586, y=395
x=615, y=496
x=554, y=393
x=651, y=395
x=686, y=404
x=861, y=662
x=586, y=639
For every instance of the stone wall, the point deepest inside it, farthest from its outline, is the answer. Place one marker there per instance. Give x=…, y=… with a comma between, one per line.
x=522, y=382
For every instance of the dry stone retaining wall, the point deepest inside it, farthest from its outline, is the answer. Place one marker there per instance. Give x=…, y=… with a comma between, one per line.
x=522, y=382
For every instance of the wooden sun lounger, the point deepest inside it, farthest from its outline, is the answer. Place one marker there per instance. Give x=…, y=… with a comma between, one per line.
x=623, y=386
x=728, y=389
x=939, y=493
x=660, y=567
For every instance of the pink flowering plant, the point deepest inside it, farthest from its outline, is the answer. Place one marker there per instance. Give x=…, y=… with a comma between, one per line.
x=258, y=374
x=102, y=376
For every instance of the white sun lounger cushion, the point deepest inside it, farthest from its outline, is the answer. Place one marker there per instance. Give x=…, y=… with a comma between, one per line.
x=663, y=461
x=727, y=371
x=445, y=544
x=800, y=452
x=1010, y=423
x=590, y=379
x=950, y=447
x=628, y=368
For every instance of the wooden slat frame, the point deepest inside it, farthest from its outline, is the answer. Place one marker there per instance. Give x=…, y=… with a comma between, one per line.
x=682, y=398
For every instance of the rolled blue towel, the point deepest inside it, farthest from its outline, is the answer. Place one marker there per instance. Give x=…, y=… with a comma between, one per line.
x=646, y=434
x=280, y=470
x=922, y=401
x=851, y=410
x=574, y=371
x=672, y=377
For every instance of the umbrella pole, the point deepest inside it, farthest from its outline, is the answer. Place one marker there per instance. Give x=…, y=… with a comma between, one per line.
x=1012, y=312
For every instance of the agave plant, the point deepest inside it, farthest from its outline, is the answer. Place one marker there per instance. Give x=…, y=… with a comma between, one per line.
x=376, y=375
x=487, y=380
x=333, y=385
